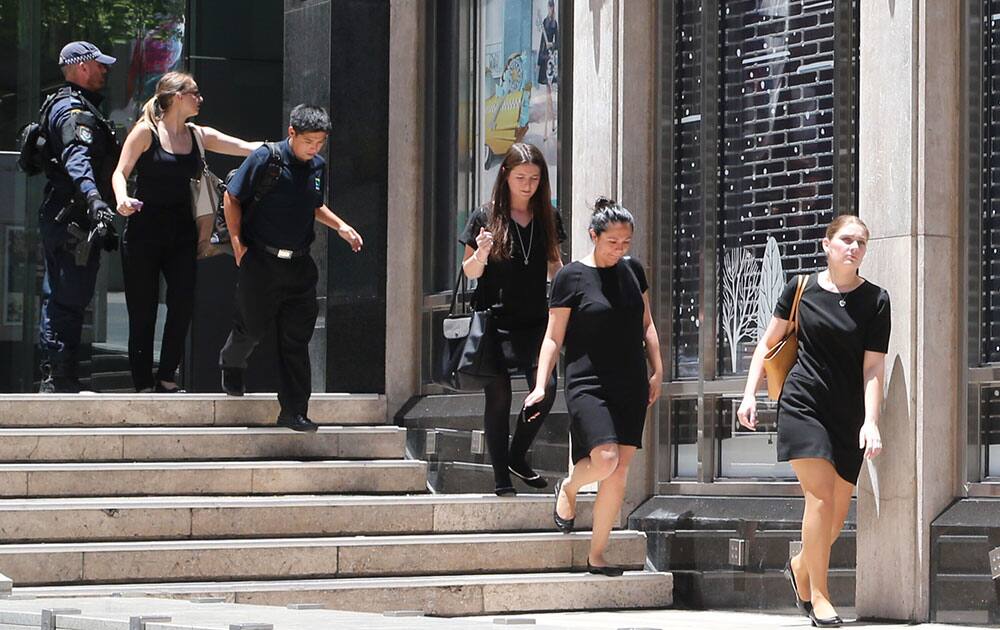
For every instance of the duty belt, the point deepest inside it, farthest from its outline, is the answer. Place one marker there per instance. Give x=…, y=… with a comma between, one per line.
x=285, y=254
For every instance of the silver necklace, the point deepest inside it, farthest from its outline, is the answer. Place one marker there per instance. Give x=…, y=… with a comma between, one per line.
x=531, y=238
x=843, y=300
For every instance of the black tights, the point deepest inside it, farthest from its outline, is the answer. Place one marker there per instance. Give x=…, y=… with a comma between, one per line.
x=497, y=424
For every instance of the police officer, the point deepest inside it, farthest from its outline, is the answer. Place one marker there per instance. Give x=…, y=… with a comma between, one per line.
x=271, y=231
x=74, y=218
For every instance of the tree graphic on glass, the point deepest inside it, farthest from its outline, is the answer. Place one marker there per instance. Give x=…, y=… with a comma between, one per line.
x=750, y=290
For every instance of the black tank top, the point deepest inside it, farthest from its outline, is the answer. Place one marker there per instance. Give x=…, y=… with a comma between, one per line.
x=163, y=179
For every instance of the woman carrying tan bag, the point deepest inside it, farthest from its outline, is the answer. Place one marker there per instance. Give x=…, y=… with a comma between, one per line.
x=830, y=400
x=162, y=234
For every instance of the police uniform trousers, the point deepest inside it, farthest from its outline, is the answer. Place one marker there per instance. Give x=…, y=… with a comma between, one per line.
x=283, y=291
x=66, y=290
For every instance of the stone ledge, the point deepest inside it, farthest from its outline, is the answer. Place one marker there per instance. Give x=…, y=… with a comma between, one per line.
x=47, y=410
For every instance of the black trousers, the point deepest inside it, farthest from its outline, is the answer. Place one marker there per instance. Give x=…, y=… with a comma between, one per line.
x=165, y=243
x=271, y=289
x=518, y=351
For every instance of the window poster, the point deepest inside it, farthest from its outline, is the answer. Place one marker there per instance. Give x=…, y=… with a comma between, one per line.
x=519, y=70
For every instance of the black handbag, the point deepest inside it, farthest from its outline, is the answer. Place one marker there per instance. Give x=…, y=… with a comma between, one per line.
x=469, y=359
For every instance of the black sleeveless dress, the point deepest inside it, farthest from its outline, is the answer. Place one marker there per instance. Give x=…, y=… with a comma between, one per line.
x=822, y=405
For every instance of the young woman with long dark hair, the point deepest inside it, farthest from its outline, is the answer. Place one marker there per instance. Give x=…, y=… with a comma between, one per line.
x=512, y=248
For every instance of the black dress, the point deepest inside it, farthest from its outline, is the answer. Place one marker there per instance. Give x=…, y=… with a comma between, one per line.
x=549, y=42
x=606, y=378
x=822, y=407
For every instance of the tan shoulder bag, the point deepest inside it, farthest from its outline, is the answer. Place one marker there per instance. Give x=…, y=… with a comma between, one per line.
x=781, y=357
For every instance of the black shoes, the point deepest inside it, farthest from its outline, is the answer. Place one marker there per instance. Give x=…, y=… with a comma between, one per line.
x=523, y=471
x=565, y=525
x=609, y=570
x=232, y=381
x=505, y=491
x=297, y=422
x=829, y=622
x=801, y=604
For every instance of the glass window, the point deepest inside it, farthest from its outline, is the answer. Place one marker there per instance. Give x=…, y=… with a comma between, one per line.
x=762, y=96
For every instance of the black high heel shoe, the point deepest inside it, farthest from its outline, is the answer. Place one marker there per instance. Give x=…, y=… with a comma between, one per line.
x=801, y=604
x=828, y=622
x=609, y=570
x=565, y=525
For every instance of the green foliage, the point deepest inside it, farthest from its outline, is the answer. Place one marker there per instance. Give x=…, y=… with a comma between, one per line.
x=104, y=22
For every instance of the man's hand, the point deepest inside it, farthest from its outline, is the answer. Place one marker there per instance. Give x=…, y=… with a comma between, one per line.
x=352, y=237
x=97, y=209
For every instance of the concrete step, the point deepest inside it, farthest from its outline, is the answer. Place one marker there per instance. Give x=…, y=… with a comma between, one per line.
x=172, y=478
x=128, y=518
x=303, y=558
x=83, y=444
x=103, y=410
x=455, y=477
x=455, y=595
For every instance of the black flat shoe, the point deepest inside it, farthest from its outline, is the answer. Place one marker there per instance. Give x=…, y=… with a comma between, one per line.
x=232, y=381
x=801, y=604
x=298, y=422
x=505, y=491
x=565, y=525
x=829, y=622
x=609, y=570
x=524, y=472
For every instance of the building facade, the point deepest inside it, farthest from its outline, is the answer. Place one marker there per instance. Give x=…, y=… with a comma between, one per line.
x=735, y=130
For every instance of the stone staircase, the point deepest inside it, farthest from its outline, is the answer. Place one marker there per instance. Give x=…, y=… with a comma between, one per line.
x=190, y=495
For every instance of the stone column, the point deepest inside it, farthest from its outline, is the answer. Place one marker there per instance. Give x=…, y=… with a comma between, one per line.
x=909, y=194
x=613, y=140
x=403, y=281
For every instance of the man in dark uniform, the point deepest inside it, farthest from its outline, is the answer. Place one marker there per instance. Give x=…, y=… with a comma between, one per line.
x=271, y=234
x=83, y=150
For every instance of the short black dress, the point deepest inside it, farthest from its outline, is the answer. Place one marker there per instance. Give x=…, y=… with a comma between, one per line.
x=822, y=405
x=606, y=378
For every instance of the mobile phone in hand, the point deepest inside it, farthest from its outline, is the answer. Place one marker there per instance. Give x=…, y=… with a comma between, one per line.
x=530, y=412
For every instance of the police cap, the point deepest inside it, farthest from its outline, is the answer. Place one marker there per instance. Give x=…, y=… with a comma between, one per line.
x=78, y=52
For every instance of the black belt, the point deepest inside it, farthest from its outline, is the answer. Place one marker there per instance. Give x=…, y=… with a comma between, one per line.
x=285, y=254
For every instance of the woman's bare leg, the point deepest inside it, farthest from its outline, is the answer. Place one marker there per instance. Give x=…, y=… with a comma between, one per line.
x=601, y=463
x=608, y=505
x=818, y=480
x=842, y=493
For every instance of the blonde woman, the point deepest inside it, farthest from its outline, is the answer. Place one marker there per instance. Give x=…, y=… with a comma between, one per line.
x=829, y=406
x=161, y=235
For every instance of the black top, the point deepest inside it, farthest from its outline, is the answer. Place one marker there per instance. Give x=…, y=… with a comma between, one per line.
x=605, y=335
x=283, y=217
x=83, y=143
x=163, y=179
x=833, y=338
x=514, y=290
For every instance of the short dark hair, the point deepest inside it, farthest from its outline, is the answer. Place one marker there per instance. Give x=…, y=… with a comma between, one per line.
x=607, y=211
x=307, y=118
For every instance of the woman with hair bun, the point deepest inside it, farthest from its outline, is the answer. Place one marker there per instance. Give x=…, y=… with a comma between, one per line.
x=512, y=247
x=161, y=235
x=599, y=309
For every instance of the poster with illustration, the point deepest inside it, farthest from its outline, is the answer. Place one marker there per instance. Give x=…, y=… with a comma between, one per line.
x=519, y=70
x=155, y=52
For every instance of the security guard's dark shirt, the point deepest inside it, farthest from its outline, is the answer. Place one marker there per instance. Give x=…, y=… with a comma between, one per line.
x=84, y=146
x=284, y=217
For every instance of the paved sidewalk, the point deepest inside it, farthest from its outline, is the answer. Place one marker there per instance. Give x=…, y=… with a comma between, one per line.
x=114, y=613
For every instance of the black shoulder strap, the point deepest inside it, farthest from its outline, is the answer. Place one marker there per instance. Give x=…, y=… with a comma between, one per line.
x=272, y=172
